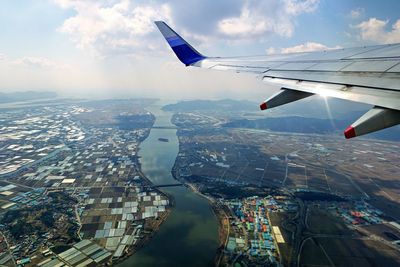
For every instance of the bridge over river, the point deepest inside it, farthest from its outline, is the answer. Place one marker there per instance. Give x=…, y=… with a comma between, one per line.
x=165, y=185
x=165, y=127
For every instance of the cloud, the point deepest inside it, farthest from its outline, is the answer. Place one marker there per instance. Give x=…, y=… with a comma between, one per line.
x=272, y=51
x=260, y=17
x=112, y=27
x=375, y=30
x=38, y=62
x=306, y=47
x=32, y=62
x=244, y=25
x=202, y=16
x=356, y=13
x=296, y=7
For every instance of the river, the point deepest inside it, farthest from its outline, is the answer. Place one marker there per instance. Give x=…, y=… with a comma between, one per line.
x=189, y=236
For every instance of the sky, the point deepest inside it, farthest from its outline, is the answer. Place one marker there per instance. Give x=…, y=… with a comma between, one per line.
x=111, y=48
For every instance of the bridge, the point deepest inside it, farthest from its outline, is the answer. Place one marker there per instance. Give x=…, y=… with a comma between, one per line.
x=166, y=185
x=165, y=127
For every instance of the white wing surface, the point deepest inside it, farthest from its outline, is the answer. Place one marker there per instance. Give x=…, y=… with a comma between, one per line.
x=363, y=74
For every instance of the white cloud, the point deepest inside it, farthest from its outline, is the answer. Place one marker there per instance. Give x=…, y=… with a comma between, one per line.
x=260, y=17
x=296, y=7
x=306, y=47
x=272, y=51
x=32, y=62
x=38, y=62
x=375, y=30
x=126, y=27
x=245, y=25
x=357, y=13
x=112, y=27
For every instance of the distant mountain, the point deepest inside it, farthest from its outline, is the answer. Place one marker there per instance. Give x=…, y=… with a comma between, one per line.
x=313, y=107
x=215, y=105
x=311, y=115
x=296, y=124
x=24, y=96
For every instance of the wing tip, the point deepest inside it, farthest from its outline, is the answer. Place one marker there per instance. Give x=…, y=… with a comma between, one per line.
x=183, y=50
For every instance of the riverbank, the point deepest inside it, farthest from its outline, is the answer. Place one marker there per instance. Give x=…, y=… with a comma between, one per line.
x=223, y=231
x=150, y=226
x=149, y=232
x=220, y=213
x=147, y=238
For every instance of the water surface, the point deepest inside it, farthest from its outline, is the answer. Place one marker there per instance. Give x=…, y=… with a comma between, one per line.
x=189, y=236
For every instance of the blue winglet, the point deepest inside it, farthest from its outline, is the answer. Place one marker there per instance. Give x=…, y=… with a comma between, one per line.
x=183, y=50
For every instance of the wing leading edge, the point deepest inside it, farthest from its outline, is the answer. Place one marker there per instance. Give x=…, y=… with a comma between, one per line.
x=365, y=74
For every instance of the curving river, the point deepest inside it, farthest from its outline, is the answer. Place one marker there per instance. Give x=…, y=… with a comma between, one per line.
x=189, y=236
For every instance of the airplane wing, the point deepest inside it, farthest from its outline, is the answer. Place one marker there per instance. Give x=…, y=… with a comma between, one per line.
x=363, y=74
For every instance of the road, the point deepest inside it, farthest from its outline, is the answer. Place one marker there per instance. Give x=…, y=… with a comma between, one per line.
x=310, y=236
x=300, y=225
x=8, y=248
